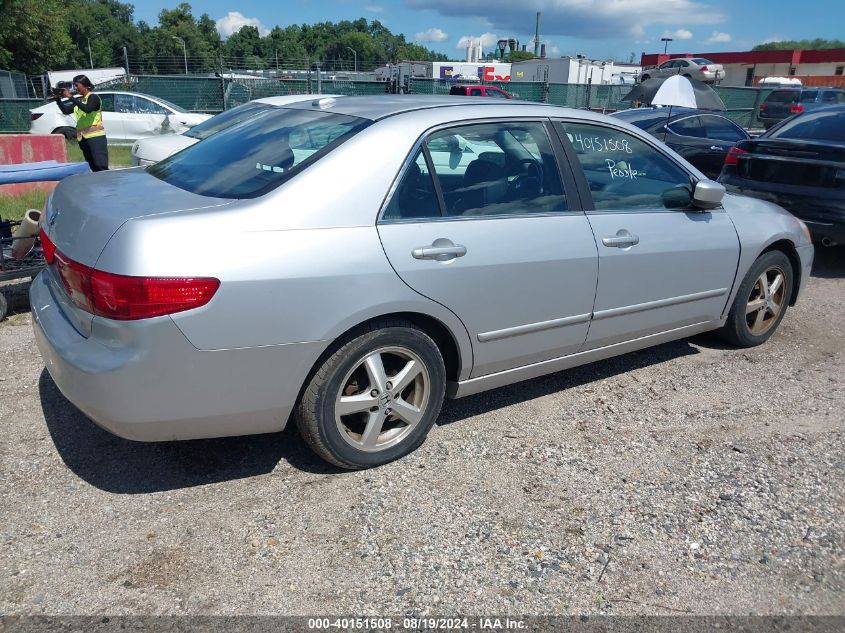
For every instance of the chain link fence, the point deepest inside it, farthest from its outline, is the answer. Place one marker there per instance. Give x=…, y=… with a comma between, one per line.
x=212, y=93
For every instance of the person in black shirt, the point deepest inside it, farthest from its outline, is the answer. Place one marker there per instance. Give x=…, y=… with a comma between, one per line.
x=87, y=110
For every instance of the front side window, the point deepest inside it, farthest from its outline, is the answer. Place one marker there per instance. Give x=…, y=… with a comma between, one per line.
x=689, y=126
x=510, y=170
x=496, y=94
x=625, y=173
x=145, y=106
x=256, y=155
x=722, y=129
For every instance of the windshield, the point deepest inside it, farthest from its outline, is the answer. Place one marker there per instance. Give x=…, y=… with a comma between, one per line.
x=254, y=156
x=226, y=119
x=813, y=126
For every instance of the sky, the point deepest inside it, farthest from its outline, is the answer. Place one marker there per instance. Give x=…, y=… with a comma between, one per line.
x=600, y=29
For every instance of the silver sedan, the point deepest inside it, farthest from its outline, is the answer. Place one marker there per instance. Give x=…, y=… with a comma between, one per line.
x=348, y=263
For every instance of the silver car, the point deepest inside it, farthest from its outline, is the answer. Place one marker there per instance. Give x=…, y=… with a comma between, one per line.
x=348, y=263
x=693, y=67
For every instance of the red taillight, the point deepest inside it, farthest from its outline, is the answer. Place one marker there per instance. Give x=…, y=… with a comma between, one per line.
x=36, y=115
x=796, y=108
x=47, y=246
x=733, y=155
x=126, y=298
x=763, y=106
x=703, y=68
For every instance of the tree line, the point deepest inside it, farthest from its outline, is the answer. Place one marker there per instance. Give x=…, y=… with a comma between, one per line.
x=41, y=35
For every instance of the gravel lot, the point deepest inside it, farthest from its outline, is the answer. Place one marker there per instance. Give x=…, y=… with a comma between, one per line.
x=686, y=478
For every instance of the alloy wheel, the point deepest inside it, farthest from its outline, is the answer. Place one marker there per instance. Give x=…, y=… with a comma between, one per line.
x=382, y=399
x=766, y=301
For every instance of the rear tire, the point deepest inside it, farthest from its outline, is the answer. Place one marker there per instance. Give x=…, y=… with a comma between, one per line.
x=645, y=78
x=761, y=301
x=68, y=132
x=4, y=306
x=354, y=416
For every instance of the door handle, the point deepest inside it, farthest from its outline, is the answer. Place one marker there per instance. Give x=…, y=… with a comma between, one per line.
x=622, y=239
x=440, y=250
x=717, y=148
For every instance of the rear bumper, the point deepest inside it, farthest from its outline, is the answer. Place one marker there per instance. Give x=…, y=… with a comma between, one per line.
x=144, y=381
x=823, y=214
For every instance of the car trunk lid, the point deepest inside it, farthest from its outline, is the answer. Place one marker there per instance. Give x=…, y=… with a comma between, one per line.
x=86, y=211
x=793, y=162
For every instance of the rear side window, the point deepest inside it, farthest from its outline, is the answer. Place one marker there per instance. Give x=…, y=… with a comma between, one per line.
x=809, y=96
x=258, y=154
x=475, y=92
x=625, y=173
x=720, y=128
x=783, y=96
x=489, y=169
x=702, y=62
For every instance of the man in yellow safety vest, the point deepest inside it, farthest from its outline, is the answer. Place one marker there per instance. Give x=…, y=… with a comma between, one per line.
x=90, y=133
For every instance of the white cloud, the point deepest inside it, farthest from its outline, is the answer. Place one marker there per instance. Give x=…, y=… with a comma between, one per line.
x=374, y=8
x=488, y=40
x=678, y=34
x=719, y=37
x=233, y=21
x=431, y=35
x=594, y=19
x=554, y=50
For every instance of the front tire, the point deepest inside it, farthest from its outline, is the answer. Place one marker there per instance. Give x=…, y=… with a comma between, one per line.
x=761, y=301
x=375, y=398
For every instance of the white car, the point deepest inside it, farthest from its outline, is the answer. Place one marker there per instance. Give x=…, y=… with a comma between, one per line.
x=149, y=151
x=127, y=116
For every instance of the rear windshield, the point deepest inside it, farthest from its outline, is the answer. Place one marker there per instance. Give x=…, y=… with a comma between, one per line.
x=783, y=96
x=258, y=154
x=813, y=126
x=701, y=61
x=225, y=119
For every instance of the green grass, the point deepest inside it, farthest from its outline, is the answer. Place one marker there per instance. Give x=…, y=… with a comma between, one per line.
x=13, y=207
x=119, y=155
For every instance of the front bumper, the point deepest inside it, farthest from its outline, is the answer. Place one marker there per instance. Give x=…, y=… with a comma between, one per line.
x=143, y=380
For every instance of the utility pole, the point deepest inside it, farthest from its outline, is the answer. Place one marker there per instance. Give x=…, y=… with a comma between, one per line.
x=356, y=58
x=666, y=45
x=126, y=65
x=184, y=50
x=90, y=57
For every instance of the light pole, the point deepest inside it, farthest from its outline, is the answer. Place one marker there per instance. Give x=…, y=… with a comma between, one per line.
x=666, y=45
x=90, y=57
x=184, y=50
x=349, y=48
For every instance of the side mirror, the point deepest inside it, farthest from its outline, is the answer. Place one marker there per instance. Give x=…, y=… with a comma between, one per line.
x=708, y=195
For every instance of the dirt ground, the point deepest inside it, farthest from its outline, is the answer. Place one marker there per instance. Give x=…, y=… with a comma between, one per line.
x=691, y=477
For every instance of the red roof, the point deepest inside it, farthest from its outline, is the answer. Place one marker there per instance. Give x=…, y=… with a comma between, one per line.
x=830, y=55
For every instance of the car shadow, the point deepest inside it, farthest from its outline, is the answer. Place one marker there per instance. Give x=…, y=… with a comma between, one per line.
x=121, y=466
x=457, y=410
x=829, y=262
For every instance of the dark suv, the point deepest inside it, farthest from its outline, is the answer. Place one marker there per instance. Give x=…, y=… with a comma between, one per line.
x=784, y=102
